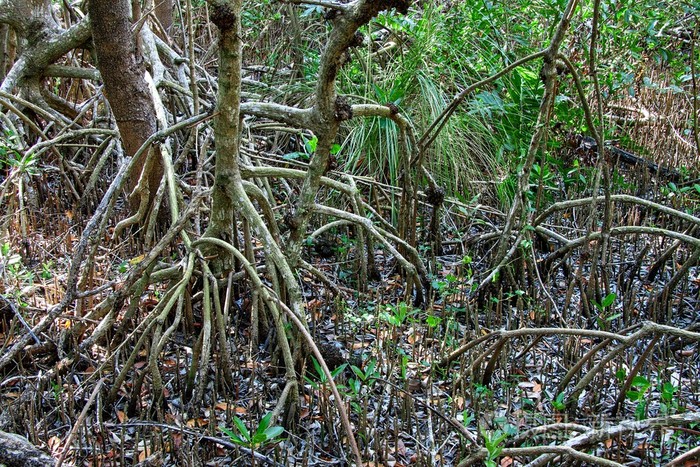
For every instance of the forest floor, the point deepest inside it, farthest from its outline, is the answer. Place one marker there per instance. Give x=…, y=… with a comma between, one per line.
x=515, y=360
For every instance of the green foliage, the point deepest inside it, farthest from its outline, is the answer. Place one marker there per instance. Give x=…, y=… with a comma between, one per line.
x=56, y=390
x=396, y=315
x=310, y=145
x=638, y=393
x=10, y=260
x=669, y=402
x=493, y=442
x=12, y=269
x=47, y=270
x=604, y=317
x=369, y=374
x=433, y=321
x=309, y=149
x=363, y=379
x=558, y=402
x=320, y=379
x=123, y=267
x=12, y=157
x=446, y=286
x=263, y=435
x=640, y=385
x=467, y=418
x=605, y=303
x=416, y=68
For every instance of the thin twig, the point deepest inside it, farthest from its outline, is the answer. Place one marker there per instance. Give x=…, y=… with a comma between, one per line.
x=79, y=422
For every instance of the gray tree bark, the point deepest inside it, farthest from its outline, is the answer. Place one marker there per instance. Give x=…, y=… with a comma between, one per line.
x=126, y=89
x=41, y=42
x=16, y=451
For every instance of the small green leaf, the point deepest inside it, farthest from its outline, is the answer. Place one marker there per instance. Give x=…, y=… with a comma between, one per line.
x=273, y=432
x=558, y=403
x=264, y=423
x=338, y=370
x=241, y=428
x=319, y=370
x=370, y=367
x=258, y=439
x=608, y=300
x=641, y=382
x=432, y=321
x=640, y=411
x=311, y=145
x=358, y=372
x=667, y=391
x=467, y=418
x=621, y=374
x=233, y=436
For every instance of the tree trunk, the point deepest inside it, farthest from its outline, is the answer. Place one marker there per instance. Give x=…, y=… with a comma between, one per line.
x=227, y=175
x=164, y=13
x=29, y=18
x=5, y=50
x=126, y=89
x=31, y=26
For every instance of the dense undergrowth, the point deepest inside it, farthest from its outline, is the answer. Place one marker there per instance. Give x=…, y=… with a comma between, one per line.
x=577, y=347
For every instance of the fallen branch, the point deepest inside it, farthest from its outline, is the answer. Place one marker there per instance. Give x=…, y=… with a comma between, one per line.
x=16, y=451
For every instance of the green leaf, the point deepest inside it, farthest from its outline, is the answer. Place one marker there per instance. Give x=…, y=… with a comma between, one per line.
x=311, y=144
x=370, y=368
x=233, y=436
x=338, y=370
x=621, y=374
x=667, y=391
x=258, y=439
x=467, y=418
x=312, y=10
x=319, y=370
x=241, y=428
x=264, y=423
x=527, y=75
x=640, y=411
x=558, y=403
x=432, y=321
x=311, y=382
x=608, y=300
x=274, y=432
x=641, y=382
x=358, y=372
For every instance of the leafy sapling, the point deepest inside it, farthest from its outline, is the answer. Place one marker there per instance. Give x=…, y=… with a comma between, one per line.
x=263, y=435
